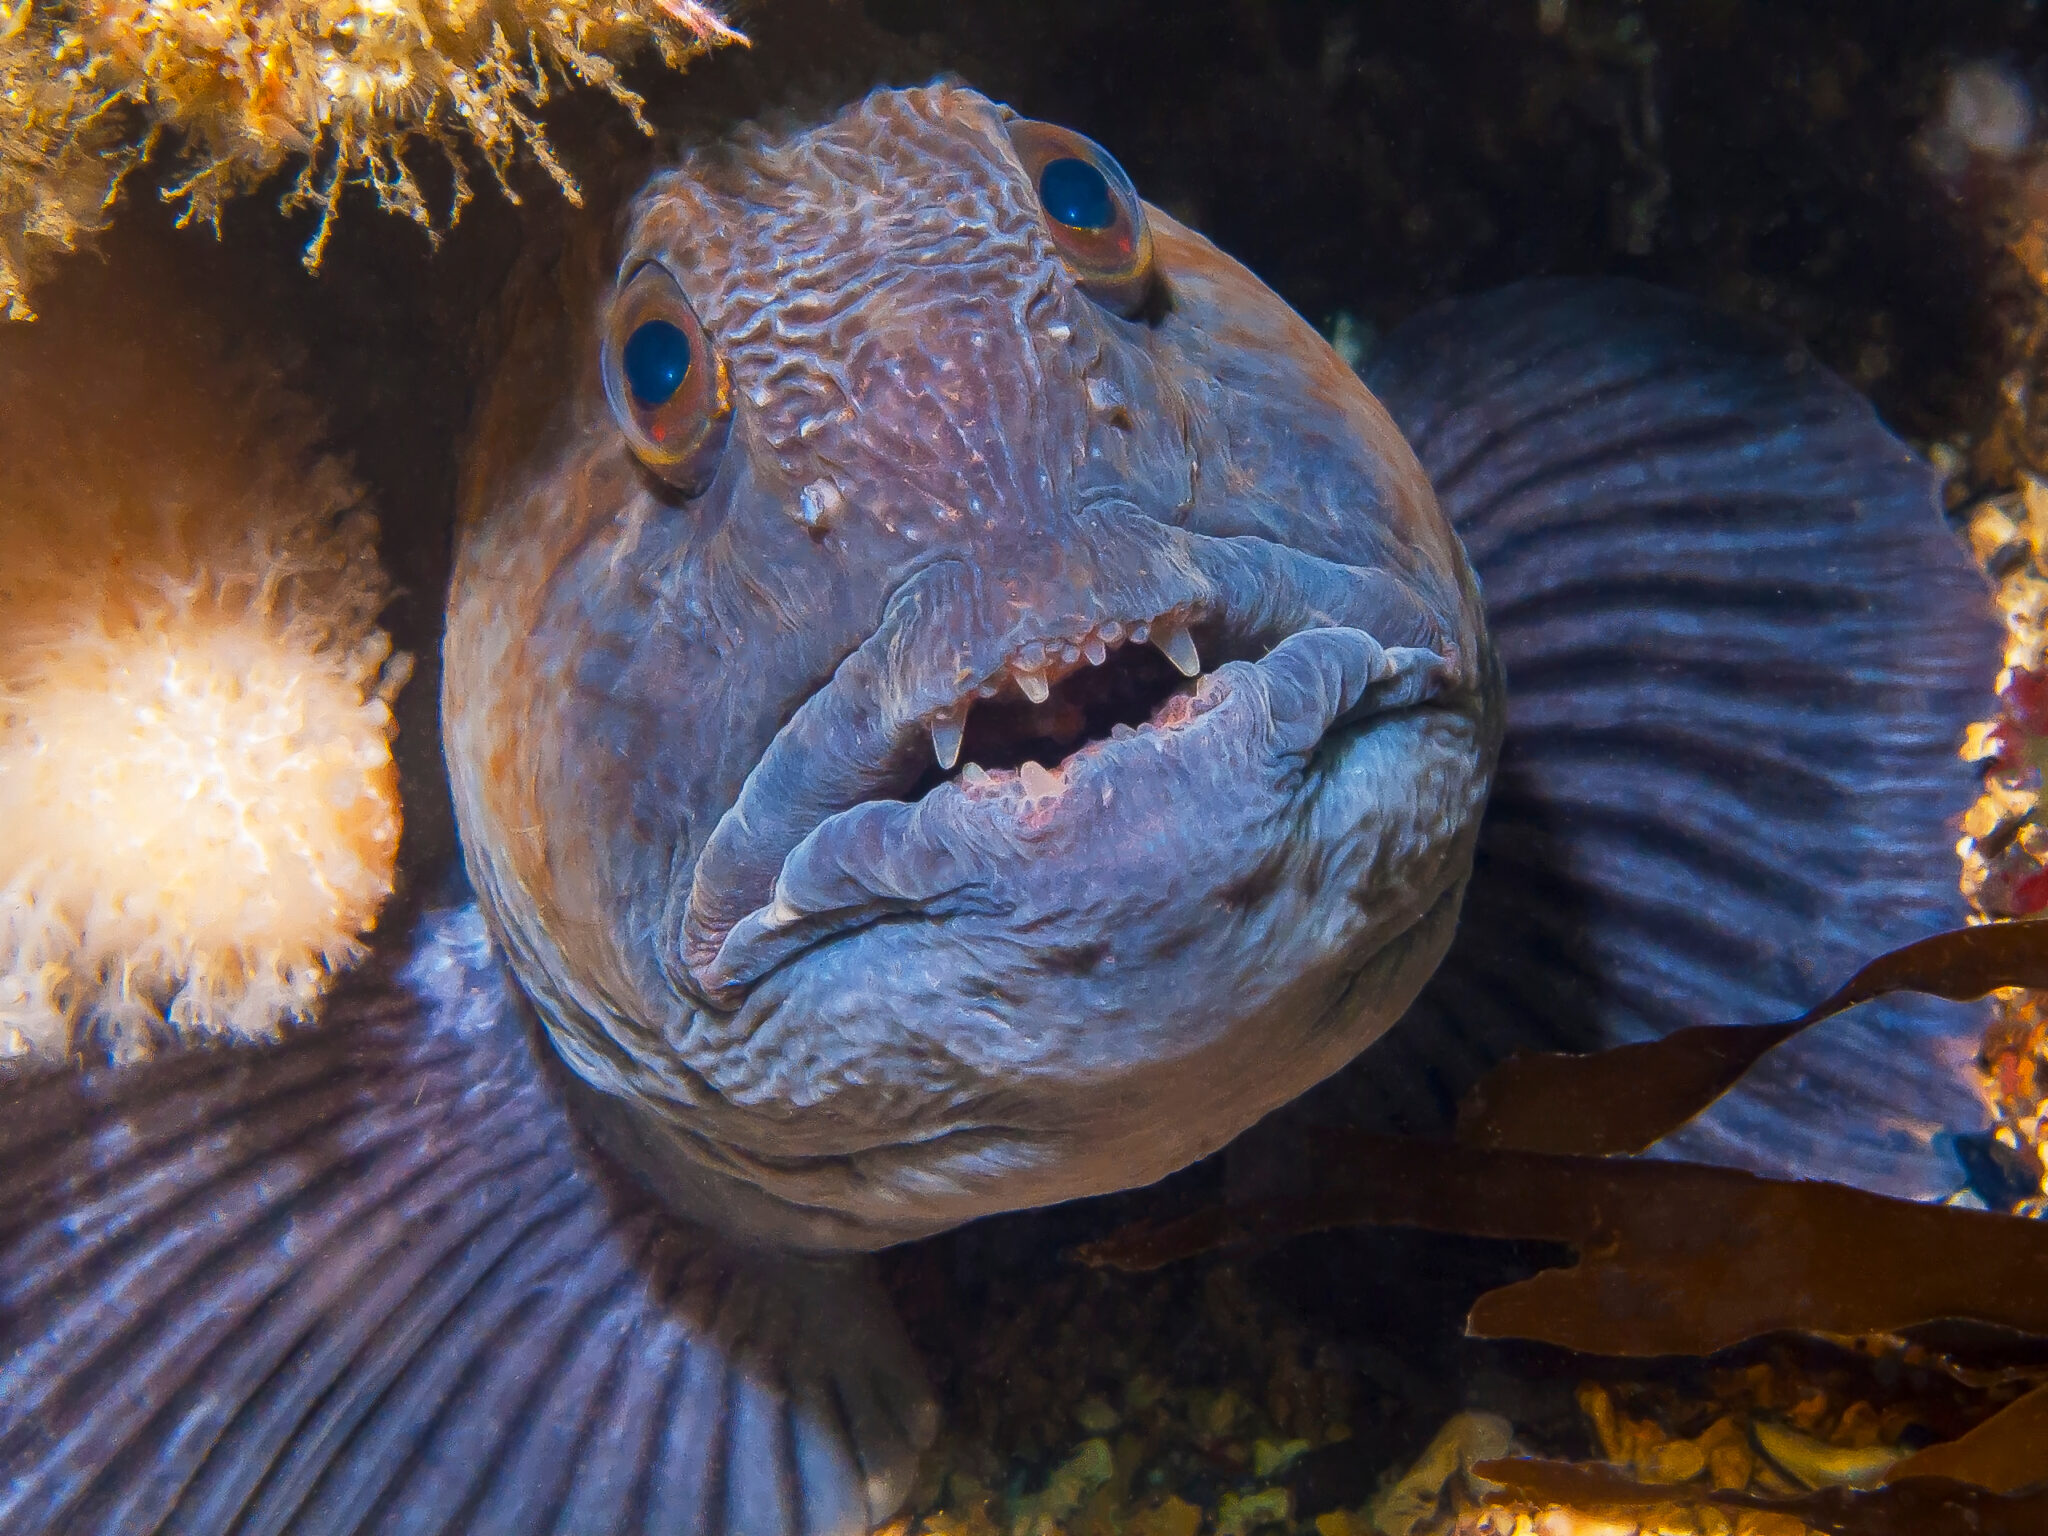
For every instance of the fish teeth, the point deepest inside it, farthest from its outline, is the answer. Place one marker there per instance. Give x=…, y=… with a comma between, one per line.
x=1178, y=646
x=1033, y=684
x=1111, y=632
x=1070, y=654
x=1037, y=781
x=1096, y=652
x=1121, y=732
x=949, y=728
x=974, y=773
x=1140, y=633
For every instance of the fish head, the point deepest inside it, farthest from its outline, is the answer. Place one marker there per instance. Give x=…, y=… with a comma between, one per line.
x=958, y=699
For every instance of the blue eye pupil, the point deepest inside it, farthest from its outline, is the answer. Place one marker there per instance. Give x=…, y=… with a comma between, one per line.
x=1075, y=194
x=657, y=359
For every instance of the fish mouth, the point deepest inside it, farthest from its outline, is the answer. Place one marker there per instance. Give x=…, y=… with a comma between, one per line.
x=967, y=702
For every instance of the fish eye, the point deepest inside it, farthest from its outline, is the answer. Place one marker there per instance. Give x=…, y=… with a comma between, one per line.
x=657, y=361
x=668, y=387
x=1075, y=194
x=1092, y=212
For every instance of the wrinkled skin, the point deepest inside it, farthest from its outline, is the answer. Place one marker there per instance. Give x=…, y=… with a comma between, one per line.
x=683, y=730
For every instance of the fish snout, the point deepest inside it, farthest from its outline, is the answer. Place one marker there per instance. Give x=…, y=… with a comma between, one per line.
x=980, y=676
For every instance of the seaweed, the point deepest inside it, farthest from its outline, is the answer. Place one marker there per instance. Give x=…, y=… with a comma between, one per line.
x=1675, y=1258
x=1628, y=1098
x=2006, y=1453
x=1923, y=1507
x=1684, y=1259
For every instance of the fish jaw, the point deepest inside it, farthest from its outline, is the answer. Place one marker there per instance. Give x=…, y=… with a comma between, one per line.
x=1057, y=980
x=870, y=732
x=1210, y=804
x=1092, y=976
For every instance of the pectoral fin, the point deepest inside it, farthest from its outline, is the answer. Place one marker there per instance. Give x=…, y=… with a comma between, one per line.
x=1741, y=645
x=371, y=1279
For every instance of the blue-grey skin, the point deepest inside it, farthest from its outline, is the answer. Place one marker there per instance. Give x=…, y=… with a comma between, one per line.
x=683, y=728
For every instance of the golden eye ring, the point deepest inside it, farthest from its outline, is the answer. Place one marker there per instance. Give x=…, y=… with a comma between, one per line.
x=669, y=389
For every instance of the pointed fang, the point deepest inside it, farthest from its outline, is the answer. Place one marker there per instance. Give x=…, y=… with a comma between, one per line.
x=1178, y=646
x=1038, y=782
x=947, y=732
x=1034, y=686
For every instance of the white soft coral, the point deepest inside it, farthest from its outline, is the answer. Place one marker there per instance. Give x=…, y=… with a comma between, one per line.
x=198, y=809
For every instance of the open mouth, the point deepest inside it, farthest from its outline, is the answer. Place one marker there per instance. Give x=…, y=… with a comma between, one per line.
x=940, y=693
x=1055, y=700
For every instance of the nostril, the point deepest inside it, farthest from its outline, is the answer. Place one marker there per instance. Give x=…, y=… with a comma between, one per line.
x=1107, y=401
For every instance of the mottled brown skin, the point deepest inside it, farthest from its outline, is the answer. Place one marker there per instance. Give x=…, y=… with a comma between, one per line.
x=988, y=1001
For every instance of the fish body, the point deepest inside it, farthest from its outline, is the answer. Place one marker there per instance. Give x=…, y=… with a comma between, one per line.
x=956, y=699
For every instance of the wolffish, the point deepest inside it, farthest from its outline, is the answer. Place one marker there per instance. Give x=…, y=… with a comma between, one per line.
x=964, y=457
x=958, y=699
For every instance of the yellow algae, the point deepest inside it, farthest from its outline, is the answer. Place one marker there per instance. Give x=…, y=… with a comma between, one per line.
x=1819, y=1464
x=1174, y=1516
x=1270, y=1457
x=1404, y=1506
x=1238, y=1514
x=67, y=140
x=340, y=93
x=1090, y=1466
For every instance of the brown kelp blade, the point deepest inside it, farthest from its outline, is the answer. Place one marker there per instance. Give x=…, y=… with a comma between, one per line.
x=1920, y=1507
x=1675, y=1258
x=1619, y=1100
x=1626, y=1099
x=2006, y=1453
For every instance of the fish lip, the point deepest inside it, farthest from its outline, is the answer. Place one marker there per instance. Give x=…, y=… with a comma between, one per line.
x=865, y=731
x=964, y=850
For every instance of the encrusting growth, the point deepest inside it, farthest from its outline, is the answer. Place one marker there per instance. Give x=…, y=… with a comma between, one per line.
x=67, y=139
x=2004, y=849
x=346, y=92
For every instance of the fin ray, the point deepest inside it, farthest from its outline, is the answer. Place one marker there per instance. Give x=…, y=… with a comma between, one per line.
x=1740, y=646
x=371, y=1279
